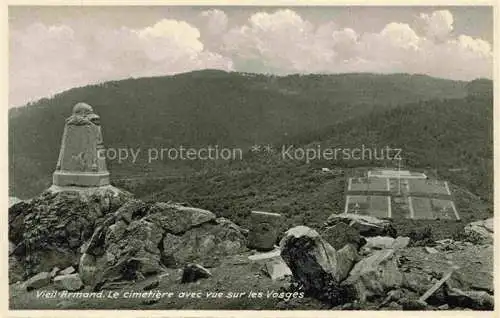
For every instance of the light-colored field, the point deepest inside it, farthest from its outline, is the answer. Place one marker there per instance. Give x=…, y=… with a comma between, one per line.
x=368, y=184
x=428, y=186
x=374, y=205
x=428, y=208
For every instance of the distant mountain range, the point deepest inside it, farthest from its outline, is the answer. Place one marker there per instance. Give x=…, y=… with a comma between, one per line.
x=450, y=119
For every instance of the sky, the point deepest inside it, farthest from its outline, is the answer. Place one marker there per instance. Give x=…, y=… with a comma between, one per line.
x=52, y=49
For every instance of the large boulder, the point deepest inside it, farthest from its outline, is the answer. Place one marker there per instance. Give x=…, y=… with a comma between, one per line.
x=365, y=224
x=177, y=219
x=315, y=263
x=206, y=244
x=131, y=253
x=341, y=234
x=49, y=229
x=374, y=276
x=482, y=229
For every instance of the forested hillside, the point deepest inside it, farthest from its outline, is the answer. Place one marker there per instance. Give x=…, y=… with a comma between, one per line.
x=211, y=107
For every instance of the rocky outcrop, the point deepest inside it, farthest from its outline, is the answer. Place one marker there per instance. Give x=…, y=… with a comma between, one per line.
x=375, y=275
x=365, y=224
x=142, y=239
x=483, y=230
x=49, y=229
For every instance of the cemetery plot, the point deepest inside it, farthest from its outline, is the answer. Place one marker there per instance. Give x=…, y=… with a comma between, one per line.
x=428, y=208
x=368, y=184
x=395, y=173
x=374, y=205
x=428, y=186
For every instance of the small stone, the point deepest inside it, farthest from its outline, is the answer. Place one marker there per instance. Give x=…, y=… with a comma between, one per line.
x=379, y=242
x=401, y=242
x=150, y=301
x=151, y=285
x=431, y=250
x=277, y=269
x=54, y=271
x=444, y=307
x=193, y=272
x=67, y=270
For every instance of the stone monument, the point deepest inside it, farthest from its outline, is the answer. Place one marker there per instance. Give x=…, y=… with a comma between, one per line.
x=264, y=230
x=81, y=160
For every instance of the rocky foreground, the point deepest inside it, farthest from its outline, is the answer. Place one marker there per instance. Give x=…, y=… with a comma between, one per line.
x=96, y=242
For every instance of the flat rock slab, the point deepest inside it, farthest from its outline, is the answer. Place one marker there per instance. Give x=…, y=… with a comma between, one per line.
x=69, y=282
x=365, y=224
x=67, y=271
x=39, y=280
x=263, y=256
x=277, y=269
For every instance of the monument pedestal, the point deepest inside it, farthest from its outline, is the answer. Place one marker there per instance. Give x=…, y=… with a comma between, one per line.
x=81, y=163
x=83, y=179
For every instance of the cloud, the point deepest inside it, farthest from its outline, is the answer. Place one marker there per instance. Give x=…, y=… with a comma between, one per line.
x=45, y=59
x=49, y=59
x=437, y=25
x=284, y=42
x=217, y=21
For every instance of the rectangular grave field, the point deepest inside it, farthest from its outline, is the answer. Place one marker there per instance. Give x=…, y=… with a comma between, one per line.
x=368, y=184
x=428, y=187
x=374, y=205
x=431, y=209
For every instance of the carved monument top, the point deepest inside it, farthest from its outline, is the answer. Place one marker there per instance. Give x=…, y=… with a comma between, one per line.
x=83, y=114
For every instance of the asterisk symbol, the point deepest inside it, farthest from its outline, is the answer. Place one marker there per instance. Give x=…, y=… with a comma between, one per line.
x=255, y=148
x=268, y=148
